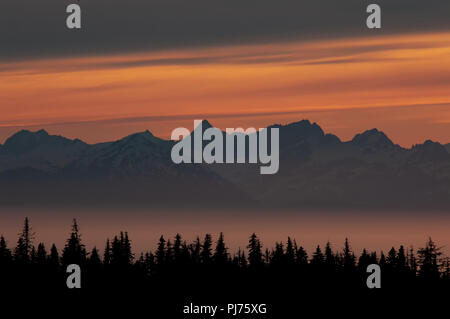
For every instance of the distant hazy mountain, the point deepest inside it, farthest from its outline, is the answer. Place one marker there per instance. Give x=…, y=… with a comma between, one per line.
x=39, y=150
x=317, y=170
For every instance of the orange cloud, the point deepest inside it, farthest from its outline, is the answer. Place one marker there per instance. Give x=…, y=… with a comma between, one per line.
x=321, y=80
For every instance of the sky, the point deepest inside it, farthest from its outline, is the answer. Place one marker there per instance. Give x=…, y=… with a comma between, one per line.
x=160, y=64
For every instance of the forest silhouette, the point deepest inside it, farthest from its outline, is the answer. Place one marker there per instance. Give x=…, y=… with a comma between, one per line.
x=205, y=268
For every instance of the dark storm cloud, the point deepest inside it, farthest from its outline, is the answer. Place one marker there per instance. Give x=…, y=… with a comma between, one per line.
x=37, y=28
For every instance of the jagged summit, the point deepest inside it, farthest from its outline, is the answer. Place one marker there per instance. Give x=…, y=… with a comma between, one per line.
x=25, y=141
x=300, y=128
x=206, y=124
x=372, y=138
x=429, y=151
x=141, y=138
x=302, y=132
x=27, y=134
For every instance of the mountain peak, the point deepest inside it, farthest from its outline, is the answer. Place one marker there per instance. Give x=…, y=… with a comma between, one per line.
x=430, y=151
x=141, y=137
x=42, y=132
x=373, y=138
x=25, y=141
x=205, y=124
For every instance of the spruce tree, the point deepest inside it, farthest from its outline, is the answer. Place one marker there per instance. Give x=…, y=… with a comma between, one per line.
x=318, y=258
x=177, y=248
x=329, y=257
x=5, y=253
x=391, y=259
x=364, y=261
x=107, y=253
x=290, y=252
x=196, y=248
x=41, y=257
x=254, y=251
x=94, y=258
x=54, y=256
x=220, y=256
x=430, y=260
x=206, y=249
x=161, y=251
x=349, y=257
x=22, y=253
x=402, y=263
x=302, y=257
x=74, y=252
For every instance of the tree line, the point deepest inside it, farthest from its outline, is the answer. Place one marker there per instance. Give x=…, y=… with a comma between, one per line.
x=174, y=259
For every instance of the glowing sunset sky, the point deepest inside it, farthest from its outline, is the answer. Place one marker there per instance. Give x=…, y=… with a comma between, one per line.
x=111, y=80
x=400, y=84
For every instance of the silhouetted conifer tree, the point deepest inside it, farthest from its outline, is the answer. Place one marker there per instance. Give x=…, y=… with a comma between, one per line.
x=33, y=255
x=169, y=252
x=349, y=257
x=267, y=256
x=177, y=249
x=196, y=248
x=429, y=260
x=94, y=258
x=329, y=257
x=290, y=252
x=220, y=256
x=364, y=261
x=412, y=262
x=278, y=256
x=302, y=257
x=446, y=269
x=5, y=253
x=402, y=263
x=74, y=252
x=382, y=260
x=206, y=249
x=41, y=257
x=391, y=259
x=242, y=259
x=107, y=253
x=318, y=257
x=161, y=251
x=128, y=254
x=115, y=249
x=185, y=254
x=22, y=253
x=121, y=254
x=254, y=251
x=54, y=256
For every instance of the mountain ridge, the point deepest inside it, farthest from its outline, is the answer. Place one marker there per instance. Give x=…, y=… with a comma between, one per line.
x=317, y=169
x=206, y=124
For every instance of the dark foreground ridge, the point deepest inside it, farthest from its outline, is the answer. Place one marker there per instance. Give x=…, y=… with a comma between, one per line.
x=179, y=273
x=317, y=171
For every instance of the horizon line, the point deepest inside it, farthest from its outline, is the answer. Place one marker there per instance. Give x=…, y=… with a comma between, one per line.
x=202, y=118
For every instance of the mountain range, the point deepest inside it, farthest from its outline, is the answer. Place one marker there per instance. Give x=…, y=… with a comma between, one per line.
x=317, y=171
